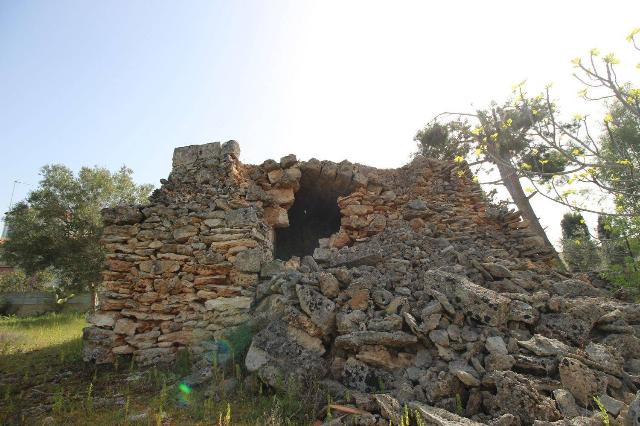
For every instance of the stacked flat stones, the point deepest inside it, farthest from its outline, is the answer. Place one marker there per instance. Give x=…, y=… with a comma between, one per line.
x=427, y=296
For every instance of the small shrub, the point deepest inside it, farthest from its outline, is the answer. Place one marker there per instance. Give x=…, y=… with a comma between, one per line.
x=4, y=305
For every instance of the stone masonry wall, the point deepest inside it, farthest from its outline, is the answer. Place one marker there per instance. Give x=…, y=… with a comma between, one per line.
x=426, y=296
x=183, y=269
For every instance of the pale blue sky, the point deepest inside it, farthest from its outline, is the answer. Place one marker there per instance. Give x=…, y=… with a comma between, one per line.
x=125, y=81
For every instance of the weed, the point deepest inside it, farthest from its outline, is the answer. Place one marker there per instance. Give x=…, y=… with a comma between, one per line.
x=58, y=402
x=604, y=416
x=420, y=421
x=459, y=406
x=405, y=420
x=89, y=399
x=42, y=356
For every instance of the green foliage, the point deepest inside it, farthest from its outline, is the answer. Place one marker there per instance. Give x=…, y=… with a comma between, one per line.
x=604, y=416
x=573, y=226
x=527, y=137
x=17, y=281
x=625, y=274
x=580, y=253
x=435, y=140
x=620, y=157
x=459, y=405
x=620, y=246
x=38, y=353
x=499, y=134
x=4, y=305
x=239, y=340
x=543, y=162
x=58, y=226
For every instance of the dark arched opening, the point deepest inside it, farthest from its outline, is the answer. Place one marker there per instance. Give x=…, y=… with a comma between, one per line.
x=314, y=215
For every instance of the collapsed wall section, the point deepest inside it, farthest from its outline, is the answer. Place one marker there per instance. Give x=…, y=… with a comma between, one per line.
x=183, y=270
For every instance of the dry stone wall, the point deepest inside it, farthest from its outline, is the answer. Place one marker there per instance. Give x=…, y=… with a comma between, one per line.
x=425, y=295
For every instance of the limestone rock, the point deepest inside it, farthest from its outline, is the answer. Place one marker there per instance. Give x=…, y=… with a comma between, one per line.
x=517, y=395
x=633, y=415
x=566, y=403
x=417, y=288
x=249, y=260
x=439, y=417
x=482, y=304
x=122, y=215
x=329, y=285
x=495, y=344
x=270, y=353
x=320, y=309
x=581, y=381
x=357, y=339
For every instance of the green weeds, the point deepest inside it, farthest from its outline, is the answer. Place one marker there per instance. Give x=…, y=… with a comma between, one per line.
x=43, y=375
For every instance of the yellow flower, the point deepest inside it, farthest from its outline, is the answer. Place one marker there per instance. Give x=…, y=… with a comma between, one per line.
x=595, y=52
x=477, y=131
x=518, y=85
x=624, y=162
x=478, y=151
x=608, y=118
x=633, y=33
x=526, y=166
x=460, y=173
x=611, y=59
x=576, y=61
x=458, y=159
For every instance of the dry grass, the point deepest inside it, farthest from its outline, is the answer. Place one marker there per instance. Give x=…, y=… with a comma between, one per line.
x=44, y=381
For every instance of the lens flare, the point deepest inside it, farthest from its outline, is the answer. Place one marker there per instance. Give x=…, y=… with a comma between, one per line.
x=224, y=351
x=185, y=388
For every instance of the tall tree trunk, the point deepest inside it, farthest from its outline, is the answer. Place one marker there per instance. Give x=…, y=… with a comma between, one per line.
x=512, y=183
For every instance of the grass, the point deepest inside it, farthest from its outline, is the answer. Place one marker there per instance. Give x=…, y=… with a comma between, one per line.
x=43, y=380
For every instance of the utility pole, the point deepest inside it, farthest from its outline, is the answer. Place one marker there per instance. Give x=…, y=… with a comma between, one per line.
x=13, y=190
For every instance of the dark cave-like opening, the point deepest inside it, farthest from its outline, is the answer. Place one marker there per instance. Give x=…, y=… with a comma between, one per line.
x=314, y=215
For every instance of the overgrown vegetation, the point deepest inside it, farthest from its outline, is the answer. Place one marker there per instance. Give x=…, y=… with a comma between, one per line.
x=58, y=227
x=577, y=161
x=579, y=251
x=18, y=281
x=42, y=376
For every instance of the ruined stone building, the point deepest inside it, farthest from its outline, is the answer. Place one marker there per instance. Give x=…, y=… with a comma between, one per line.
x=400, y=286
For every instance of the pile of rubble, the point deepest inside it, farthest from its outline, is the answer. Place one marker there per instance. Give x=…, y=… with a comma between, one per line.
x=399, y=316
x=424, y=299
